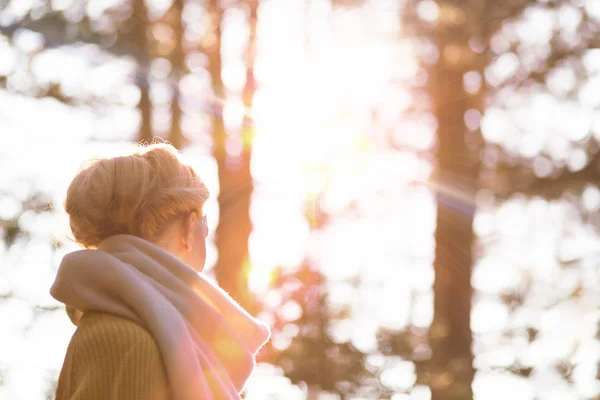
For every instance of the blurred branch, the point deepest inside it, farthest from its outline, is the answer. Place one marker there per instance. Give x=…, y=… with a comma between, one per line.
x=59, y=32
x=558, y=55
x=46, y=309
x=520, y=179
x=560, y=52
x=6, y=296
x=498, y=12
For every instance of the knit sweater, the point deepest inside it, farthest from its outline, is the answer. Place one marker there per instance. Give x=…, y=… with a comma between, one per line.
x=111, y=357
x=206, y=342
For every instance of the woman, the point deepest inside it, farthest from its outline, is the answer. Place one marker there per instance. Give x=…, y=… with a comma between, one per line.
x=148, y=325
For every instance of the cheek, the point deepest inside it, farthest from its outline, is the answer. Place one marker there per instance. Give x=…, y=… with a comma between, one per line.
x=200, y=247
x=200, y=257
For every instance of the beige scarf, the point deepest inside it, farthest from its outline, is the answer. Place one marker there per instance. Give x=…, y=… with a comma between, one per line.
x=207, y=341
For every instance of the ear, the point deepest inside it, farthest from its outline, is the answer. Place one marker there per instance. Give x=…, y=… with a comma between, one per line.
x=188, y=230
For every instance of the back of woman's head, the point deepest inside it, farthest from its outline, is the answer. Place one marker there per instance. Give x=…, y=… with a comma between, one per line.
x=138, y=194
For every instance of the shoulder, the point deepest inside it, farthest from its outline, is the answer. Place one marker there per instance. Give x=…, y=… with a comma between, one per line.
x=111, y=335
x=117, y=357
x=113, y=340
x=100, y=328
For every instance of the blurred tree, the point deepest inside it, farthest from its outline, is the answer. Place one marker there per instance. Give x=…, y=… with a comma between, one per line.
x=450, y=369
x=459, y=41
x=302, y=344
x=464, y=36
x=121, y=30
x=138, y=37
x=232, y=150
x=177, y=59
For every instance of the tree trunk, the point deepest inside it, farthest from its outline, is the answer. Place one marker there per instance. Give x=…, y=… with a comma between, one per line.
x=450, y=332
x=235, y=182
x=177, y=59
x=138, y=38
x=458, y=168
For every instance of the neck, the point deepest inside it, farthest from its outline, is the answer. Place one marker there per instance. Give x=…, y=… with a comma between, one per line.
x=172, y=246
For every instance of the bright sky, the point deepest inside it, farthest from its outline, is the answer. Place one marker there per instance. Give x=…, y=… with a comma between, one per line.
x=315, y=136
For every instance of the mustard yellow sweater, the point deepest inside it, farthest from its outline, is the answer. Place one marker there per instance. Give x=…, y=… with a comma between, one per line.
x=112, y=358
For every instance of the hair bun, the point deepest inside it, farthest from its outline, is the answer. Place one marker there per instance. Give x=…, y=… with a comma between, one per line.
x=134, y=194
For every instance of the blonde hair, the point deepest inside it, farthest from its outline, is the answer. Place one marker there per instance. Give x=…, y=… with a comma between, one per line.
x=138, y=194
